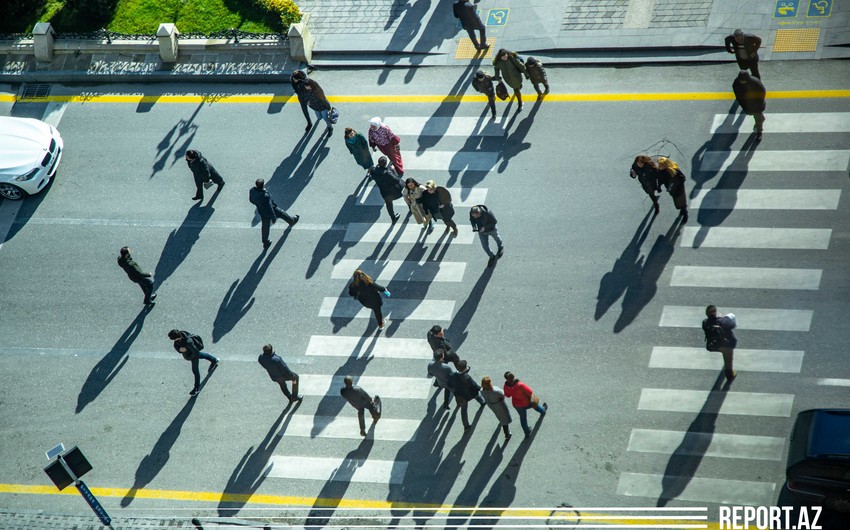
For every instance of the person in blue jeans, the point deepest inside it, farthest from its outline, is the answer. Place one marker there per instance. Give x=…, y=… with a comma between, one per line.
x=310, y=94
x=522, y=398
x=484, y=222
x=190, y=346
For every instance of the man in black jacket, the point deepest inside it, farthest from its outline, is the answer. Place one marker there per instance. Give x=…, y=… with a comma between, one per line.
x=483, y=83
x=465, y=390
x=470, y=21
x=441, y=345
x=745, y=46
x=726, y=324
x=441, y=372
x=280, y=372
x=134, y=272
x=750, y=94
x=389, y=184
x=187, y=345
x=310, y=94
x=267, y=209
x=203, y=172
x=484, y=222
x=360, y=400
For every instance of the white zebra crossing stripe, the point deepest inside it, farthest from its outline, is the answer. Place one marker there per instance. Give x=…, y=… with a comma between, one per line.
x=748, y=318
x=706, y=444
x=345, y=426
x=789, y=122
x=450, y=160
x=397, y=270
x=337, y=469
x=686, y=488
x=461, y=197
x=750, y=237
x=709, y=402
x=761, y=199
x=395, y=309
x=746, y=278
x=833, y=382
x=404, y=233
x=813, y=161
x=386, y=387
x=782, y=361
x=444, y=126
x=378, y=347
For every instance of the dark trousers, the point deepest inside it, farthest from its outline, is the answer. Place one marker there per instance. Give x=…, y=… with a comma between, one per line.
x=462, y=404
x=199, y=185
x=491, y=104
x=282, y=383
x=728, y=354
x=752, y=66
x=545, y=88
x=361, y=419
x=267, y=222
x=378, y=314
x=390, y=210
x=447, y=395
x=195, y=371
x=482, y=31
x=451, y=357
x=147, y=287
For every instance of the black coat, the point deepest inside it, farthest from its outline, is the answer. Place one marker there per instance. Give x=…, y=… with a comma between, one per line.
x=276, y=367
x=186, y=342
x=134, y=272
x=536, y=73
x=484, y=86
x=750, y=93
x=465, y=11
x=748, y=51
x=202, y=170
x=463, y=386
x=430, y=202
x=310, y=94
x=487, y=220
x=649, y=178
x=263, y=201
x=675, y=184
x=388, y=182
x=368, y=295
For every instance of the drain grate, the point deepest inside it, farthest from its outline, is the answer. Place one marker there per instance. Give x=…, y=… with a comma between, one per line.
x=35, y=91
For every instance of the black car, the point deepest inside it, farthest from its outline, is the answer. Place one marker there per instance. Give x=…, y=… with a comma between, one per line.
x=819, y=458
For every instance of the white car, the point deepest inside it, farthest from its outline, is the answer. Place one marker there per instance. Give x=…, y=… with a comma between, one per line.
x=30, y=151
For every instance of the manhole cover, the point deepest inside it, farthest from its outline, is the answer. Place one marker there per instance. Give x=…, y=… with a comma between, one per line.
x=36, y=91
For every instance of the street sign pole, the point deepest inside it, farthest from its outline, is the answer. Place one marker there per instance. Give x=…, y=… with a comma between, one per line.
x=68, y=474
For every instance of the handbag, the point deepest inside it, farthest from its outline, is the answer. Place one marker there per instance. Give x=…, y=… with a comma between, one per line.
x=208, y=184
x=501, y=91
x=333, y=115
x=535, y=399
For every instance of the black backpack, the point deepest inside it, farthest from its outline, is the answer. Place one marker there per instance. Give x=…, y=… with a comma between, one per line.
x=714, y=336
x=199, y=342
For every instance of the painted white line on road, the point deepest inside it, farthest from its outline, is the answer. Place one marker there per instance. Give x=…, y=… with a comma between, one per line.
x=443, y=126
x=345, y=426
x=400, y=271
x=746, y=278
x=788, y=122
x=813, y=161
x=337, y=469
x=375, y=346
x=386, y=387
x=404, y=233
x=680, y=443
x=8, y=213
x=695, y=489
x=728, y=199
x=461, y=197
x=677, y=316
x=747, y=237
x=152, y=223
x=450, y=160
x=782, y=361
x=53, y=113
x=394, y=309
x=722, y=402
x=830, y=381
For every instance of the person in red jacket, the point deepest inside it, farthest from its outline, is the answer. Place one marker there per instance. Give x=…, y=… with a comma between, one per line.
x=522, y=398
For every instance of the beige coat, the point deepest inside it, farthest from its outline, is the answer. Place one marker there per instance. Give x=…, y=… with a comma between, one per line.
x=410, y=196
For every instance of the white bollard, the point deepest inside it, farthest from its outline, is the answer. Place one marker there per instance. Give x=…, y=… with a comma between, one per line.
x=43, y=38
x=167, y=34
x=301, y=41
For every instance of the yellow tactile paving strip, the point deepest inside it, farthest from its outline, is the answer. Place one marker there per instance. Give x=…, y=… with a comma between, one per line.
x=466, y=50
x=796, y=40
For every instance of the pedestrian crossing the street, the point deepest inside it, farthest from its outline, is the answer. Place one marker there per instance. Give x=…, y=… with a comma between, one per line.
x=715, y=283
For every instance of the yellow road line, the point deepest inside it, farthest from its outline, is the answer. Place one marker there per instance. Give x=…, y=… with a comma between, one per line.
x=313, y=502
x=269, y=98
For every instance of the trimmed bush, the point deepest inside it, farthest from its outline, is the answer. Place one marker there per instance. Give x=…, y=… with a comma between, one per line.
x=288, y=11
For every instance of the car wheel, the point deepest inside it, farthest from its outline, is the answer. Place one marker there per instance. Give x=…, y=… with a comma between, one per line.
x=839, y=504
x=13, y=193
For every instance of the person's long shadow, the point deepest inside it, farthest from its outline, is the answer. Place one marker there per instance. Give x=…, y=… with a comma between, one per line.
x=477, y=482
x=180, y=241
x=240, y=296
x=253, y=468
x=182, y=132
x=333, y=403
x=404, y=34
x=643, y=285
x=626, y=269
x=515, y=143
x=458, y=328
x=727, y=187
x=337, y=484
x=108, y=367
x=686, y=459
x=152, y=463
x=293, y=174
x=720, y=142
x=446, y=109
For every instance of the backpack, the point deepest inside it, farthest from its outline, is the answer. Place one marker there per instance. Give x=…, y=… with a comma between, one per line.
x=714, y=336
x=198, y=341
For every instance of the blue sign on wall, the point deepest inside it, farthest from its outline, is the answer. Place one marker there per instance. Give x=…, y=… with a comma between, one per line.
x=498, y=16
x=786, y=8
x=819, y=8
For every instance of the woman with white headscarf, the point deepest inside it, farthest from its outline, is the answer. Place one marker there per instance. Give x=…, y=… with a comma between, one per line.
x=382, y=137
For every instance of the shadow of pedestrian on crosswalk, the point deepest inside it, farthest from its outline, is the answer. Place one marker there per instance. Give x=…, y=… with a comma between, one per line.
x=458, y=329
x=687, y=457
x=108, y=367
x=254, y=467
x=437, y=126
x=182, y=132
x=181, y=240
x=332, y=493
x=718, y=202
x=240, y=296
x=721, y=141
x=626, y=270
x=480, y=476
x=431, y=36
x=514, y=142
x=293, y=174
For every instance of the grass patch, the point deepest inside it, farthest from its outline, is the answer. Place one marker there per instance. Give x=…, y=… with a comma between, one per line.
x=144, y=16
